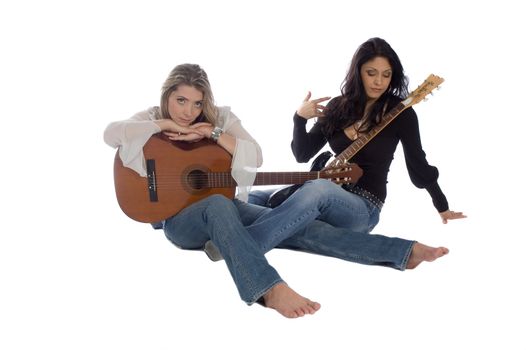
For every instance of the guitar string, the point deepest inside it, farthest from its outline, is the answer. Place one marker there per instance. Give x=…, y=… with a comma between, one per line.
x=203, y=181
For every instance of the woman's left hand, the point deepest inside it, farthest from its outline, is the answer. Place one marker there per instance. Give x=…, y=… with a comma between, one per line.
x=203, y=130
x=451, y=215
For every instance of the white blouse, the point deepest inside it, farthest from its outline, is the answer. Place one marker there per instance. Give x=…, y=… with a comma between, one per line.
x=131, y=135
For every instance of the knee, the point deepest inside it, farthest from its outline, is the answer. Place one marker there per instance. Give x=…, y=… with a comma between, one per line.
x=219, y=203
x=320, y=187
x=218, y=200
x=259, y=197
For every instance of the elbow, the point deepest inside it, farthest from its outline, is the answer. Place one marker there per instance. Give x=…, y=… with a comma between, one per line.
x=109, y=136
x=301, y=157
x=259, y=161
x=299, y=152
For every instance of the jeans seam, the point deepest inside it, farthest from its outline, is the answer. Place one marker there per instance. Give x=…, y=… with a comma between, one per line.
x=294, y=223
x=352, y=257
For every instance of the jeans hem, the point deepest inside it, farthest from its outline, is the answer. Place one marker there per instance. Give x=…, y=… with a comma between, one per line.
x=259, y=295
x=407, y=255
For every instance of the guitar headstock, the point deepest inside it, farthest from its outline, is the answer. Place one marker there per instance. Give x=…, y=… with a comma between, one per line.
x=431, y=83
x=344, y=174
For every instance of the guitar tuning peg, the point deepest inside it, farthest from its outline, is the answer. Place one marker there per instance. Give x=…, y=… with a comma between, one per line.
x=425, y=99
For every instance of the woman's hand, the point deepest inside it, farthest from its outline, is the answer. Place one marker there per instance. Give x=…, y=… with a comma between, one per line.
x=203, y=128
x=176, y=132
x=311, y=109
x=198, y=131
x=451, y=215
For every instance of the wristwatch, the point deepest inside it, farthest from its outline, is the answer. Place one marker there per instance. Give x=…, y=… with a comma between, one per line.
x=216, y=133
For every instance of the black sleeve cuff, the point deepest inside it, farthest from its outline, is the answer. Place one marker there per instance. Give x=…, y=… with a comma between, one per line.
x=299, y=120
x=438, y=197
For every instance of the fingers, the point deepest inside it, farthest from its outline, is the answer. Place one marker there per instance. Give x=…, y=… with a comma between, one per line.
x=457, y=215
x=310, y=109
x=198, y=125
x=192, y=129
x=177, y=136
x=322, y=99
x=451, y=215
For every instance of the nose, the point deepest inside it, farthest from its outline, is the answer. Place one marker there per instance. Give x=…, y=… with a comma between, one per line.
x=378, y=80
x=187, y=109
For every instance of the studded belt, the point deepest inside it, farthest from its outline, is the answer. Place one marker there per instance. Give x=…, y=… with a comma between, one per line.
x=365, y=194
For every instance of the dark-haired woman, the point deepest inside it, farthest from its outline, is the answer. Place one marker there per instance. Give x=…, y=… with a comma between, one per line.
x=374, y=84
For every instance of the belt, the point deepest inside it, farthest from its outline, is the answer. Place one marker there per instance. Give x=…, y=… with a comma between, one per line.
x=365, y=194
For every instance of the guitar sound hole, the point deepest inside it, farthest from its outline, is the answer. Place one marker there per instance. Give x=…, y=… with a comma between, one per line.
x=197, y=180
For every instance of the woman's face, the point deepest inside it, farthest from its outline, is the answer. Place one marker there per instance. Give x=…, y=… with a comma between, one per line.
x=185, y=104
x=376, y=76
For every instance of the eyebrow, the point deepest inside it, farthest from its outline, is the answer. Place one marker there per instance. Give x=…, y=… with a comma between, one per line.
x=372, y=68
x=187, y=99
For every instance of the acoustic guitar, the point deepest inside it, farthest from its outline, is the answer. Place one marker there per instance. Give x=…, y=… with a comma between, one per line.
x=182, y=173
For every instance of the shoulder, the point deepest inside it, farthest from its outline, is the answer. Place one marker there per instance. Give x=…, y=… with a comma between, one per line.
x=224, y=110
x=334, y=102
x=408, y=113
x=333, y=106
x=407, y=121
x=152, y=113
x=225, y=117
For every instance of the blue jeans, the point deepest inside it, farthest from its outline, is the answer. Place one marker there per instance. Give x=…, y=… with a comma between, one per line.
x=341, y=228
x=243, y=232
x=216, y=218
x=322, y=200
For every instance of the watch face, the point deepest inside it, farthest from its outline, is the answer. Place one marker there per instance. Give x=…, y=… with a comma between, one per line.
x=216, y=133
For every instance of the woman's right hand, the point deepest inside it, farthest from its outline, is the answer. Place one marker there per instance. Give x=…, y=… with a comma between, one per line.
x=311, y=109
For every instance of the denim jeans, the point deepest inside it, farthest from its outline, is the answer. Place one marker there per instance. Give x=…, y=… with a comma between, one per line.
x=216, y=218
x=370, y=249
x=341, y=229
x=317, y=199
x=320, y=218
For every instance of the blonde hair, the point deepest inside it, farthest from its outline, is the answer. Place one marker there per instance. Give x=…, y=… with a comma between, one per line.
x=192, y=75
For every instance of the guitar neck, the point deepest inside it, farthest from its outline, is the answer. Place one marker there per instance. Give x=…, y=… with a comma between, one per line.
x=432, y=82
x=361, y=141
x=224, y=179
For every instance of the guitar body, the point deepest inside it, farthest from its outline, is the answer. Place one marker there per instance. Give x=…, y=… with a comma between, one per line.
x=176, y=171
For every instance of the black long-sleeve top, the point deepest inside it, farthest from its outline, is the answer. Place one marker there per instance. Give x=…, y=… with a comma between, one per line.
x=376, y=156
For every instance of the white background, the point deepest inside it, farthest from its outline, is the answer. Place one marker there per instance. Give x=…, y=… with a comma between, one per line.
x=76, y=273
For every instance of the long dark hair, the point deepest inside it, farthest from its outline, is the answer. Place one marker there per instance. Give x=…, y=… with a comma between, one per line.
x=350, y=106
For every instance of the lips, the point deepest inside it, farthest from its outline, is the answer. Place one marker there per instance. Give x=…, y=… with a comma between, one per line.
x=184, y=122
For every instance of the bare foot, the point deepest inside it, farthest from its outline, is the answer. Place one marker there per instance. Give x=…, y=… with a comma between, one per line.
x=423, y=252
x=289, y=303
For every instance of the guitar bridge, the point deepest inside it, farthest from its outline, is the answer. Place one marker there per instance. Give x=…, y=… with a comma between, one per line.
x=152, y=181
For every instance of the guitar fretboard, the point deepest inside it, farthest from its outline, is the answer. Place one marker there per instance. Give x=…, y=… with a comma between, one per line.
x=416, y=96
x=225, y=179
